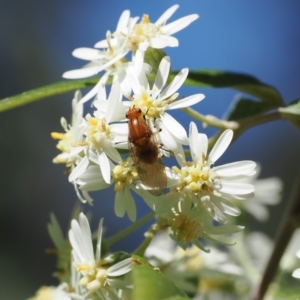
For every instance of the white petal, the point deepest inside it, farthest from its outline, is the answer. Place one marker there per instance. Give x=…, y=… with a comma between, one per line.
x=226, y=206
x=296, y=273
x=82, y=73
x=175, y=84
x=257, y=210
x=111, y=151
x=113, y=101
x=221, y=145
x=236, y=188
x=120, y=204
x=88, y=53
x=166, y=15
x=175, y=128
x=76, y=245
x=161, y=76
x=130, y=205
x=194, y=142
x=87, y=236
x=179, y=24
x=90, y=71
x=79, y=169
x=99, y=240
x=235, y=169
x=138, y=61
x=203, y=143
x=170, y=143
x=96, y=89
x=101, y=44
x=226, y=229
x=123, y=20
x=134, y=81
x=104, y=166
x=120, y=268
x=163, y=41
x=186, y=102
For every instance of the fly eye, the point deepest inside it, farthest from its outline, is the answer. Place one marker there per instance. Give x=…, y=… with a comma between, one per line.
x=138, y=110
x=126, y=115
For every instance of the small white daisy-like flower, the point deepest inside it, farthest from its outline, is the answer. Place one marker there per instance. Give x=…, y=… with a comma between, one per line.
x=267, y=192
x=213, y=186
x=156, y=100
x=111, y=59
x=125, y=179
x=128, y=36
x=186, y=267
x=95, y=274
x=157, y=35
x=189, y=223
x=70, y=141
x=103, y=134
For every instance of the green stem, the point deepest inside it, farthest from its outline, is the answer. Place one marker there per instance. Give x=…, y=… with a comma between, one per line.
x=254, y=121
x=45, y=91
x=149, y=235
x=120, y=235
x=210, y=120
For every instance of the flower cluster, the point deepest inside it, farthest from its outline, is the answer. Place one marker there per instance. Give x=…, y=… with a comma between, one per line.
x=86, y=274
x=199, y=194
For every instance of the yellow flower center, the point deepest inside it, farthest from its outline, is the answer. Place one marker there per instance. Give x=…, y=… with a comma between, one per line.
x=94, y=276
x=98, y=130
x=184, y=228
x=195, y=178
x=124, y=174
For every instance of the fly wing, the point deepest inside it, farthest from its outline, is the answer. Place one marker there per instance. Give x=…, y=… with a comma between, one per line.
x=153, y=176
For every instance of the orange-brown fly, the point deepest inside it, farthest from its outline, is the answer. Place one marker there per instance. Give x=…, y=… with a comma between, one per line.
x=145, y=152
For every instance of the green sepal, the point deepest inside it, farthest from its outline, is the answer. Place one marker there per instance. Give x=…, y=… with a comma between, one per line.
x=291, y=112
x=114, y=258
x=238, y=81
x=153, y=57
x=245, y=108
x=150, y=284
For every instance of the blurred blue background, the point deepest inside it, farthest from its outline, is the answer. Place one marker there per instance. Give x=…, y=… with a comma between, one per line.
x=37, y=37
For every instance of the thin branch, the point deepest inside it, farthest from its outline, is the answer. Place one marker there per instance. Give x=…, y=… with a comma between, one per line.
x=45, y=91
x=129, y=229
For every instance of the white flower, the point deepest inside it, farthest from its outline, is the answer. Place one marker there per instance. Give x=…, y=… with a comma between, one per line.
x=267, y=192
x=70, y=142
x=103, y=134
x=188, y=268
x=296, y=273
x=111, y=59
x=157, y=35
x=128, y=36
x=125, y=180
x=156, y=100
x=209, y=186
x=95, y=274
x=53, y=293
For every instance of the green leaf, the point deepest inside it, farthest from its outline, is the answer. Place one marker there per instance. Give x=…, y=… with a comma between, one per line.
x=176, y=298
x=245, y=108
x=238, y=81
x=140, y=261
x=291, y=112
x=150, y=284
